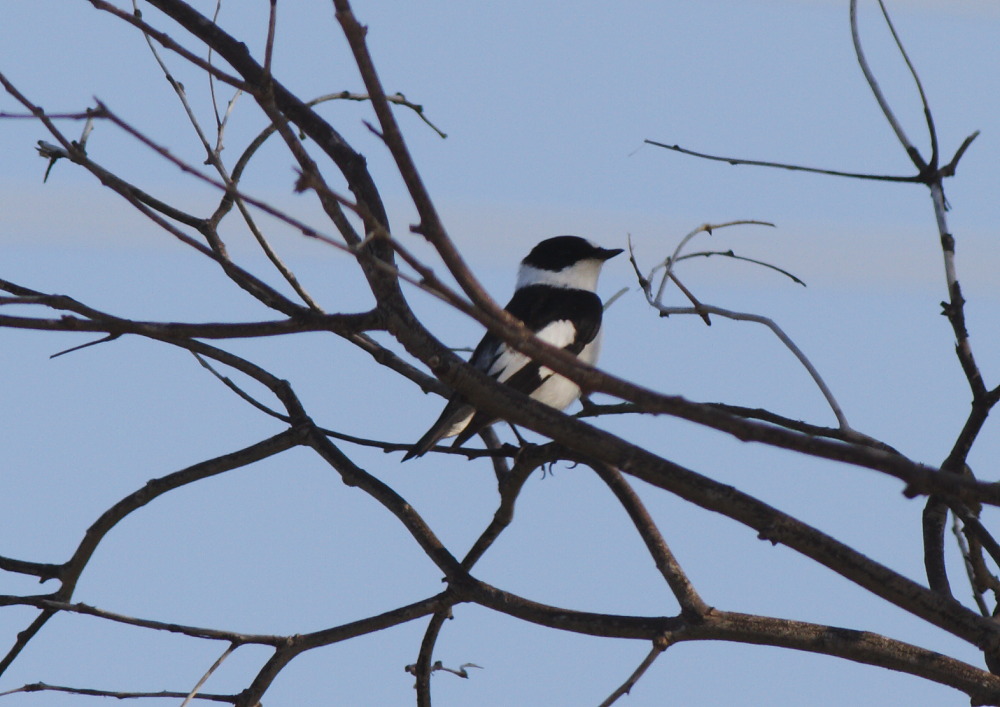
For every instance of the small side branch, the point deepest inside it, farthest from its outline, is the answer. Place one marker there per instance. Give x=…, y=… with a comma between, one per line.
x=880, y=98
x=782, y=165
x=510, y=487
x=655, y=300
x=692, y=605
x=659, y=645
x=117, y=694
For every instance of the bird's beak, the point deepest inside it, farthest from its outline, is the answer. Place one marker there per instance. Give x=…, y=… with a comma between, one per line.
x=608, y=253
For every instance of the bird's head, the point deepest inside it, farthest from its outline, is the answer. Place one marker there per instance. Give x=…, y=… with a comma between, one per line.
x=564, y=261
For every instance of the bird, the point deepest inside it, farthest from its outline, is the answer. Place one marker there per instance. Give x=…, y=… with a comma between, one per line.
x=555, y=298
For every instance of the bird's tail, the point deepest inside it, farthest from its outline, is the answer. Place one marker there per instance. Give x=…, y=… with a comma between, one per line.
x=453, y=419
x=424, y=444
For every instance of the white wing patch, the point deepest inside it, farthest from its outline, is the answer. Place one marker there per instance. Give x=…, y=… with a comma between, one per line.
x=560, y=334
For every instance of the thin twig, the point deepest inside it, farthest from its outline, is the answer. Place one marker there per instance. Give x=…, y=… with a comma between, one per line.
x=239, y=391
x=272, y=19
x=655, y=300
x=625, y=688
x=135, y=19
x=731, y=254
x=397, y=98
x=211, y=78
x=204, y=678
x=49, y=604
x=782, y=336
x=510, y=487
x=708, y=228
x=876, y=90
x=970, y=571
x=781, y=165
x=223, y=121
x=214, y=159
x=928, y=116
x=692, y=605
x=152, y=208
x=117, y=694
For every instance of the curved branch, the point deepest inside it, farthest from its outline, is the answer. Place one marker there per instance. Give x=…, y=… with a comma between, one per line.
x=296, y=645
x=928, y=116
x=73, y=568
x=894, y=123
x=858, y=646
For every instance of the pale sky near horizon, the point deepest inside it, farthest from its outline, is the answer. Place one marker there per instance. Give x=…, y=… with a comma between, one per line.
x=546, y=112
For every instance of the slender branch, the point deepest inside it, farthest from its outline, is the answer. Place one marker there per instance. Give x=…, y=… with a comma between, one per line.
x=971, y=569
x=731, y=254
x=396, y=98
x=933, y=522
x=272, y=19
x=296, y=645
x=43, y=570
x=876, y=90
x=148, y=207
x=73, y=568
x=135, y=19
x=422, y=669
x=228, y=382
x=655, y=300
x=84, y=115
x=782, y=336
x=24, y=637
x=928, y=116
x=219, y=121
x=208, y=673
x=859, y=646
x=346, y=325
x=625, y=688
x=708, y=228
x=431, y=225
x=781, y=165
x=54, y=605
x=353, y=475
x=510, y=487
x=949, y=169
x=117, y=694
x=692, y=605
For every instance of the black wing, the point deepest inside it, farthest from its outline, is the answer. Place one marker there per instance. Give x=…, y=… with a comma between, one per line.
x=538, y=306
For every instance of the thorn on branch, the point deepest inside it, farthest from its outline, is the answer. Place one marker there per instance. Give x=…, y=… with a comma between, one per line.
x=374, y=130
x=102, y=340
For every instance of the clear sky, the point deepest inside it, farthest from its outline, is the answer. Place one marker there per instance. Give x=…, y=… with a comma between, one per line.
x=546, y=108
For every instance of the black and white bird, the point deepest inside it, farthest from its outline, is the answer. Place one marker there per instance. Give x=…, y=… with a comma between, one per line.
x=555, y=298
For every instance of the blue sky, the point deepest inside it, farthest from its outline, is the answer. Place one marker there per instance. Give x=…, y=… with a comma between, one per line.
x=546, y=111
